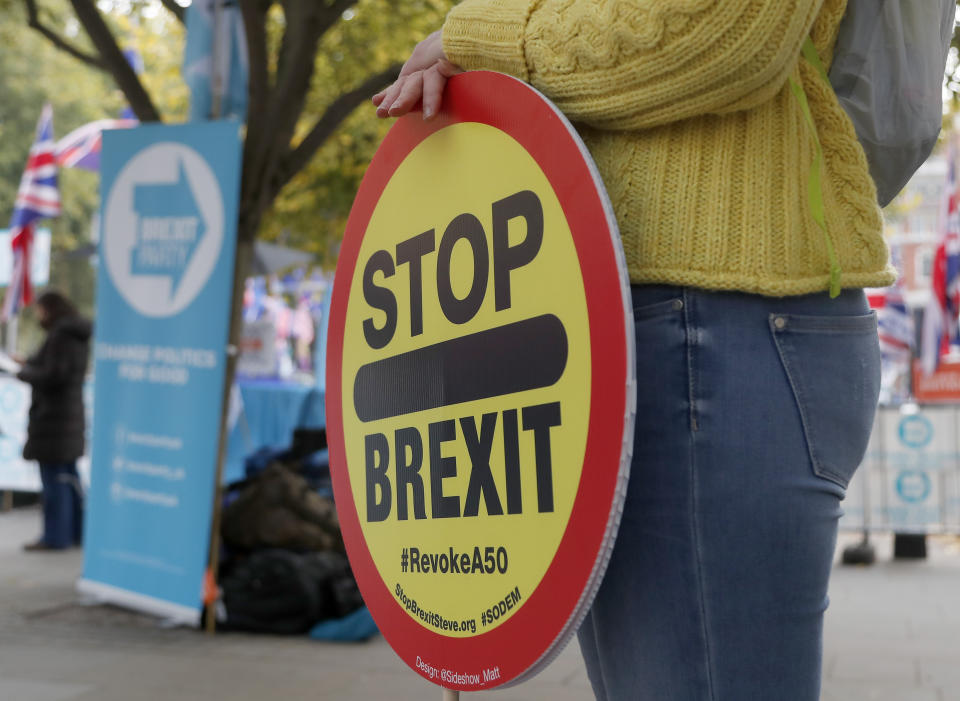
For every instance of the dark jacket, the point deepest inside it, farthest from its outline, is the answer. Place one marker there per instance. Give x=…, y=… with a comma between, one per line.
x=55, y=373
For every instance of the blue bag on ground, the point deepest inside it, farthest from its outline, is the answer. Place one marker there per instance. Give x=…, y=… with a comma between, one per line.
x=356, y=627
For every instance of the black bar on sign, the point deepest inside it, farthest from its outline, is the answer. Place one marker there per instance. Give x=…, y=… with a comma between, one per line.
x=512, y=358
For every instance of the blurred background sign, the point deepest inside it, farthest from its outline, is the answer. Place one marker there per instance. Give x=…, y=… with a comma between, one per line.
x=15, y=472
x=39, y=258
x=909, y=481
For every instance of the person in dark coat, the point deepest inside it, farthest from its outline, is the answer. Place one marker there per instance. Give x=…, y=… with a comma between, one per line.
x=55, y=433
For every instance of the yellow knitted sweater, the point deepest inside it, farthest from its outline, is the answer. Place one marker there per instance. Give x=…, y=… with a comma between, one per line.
x=686, y=108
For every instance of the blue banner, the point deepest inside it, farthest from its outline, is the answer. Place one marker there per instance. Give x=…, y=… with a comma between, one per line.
x=168, y=214
x=216, y=45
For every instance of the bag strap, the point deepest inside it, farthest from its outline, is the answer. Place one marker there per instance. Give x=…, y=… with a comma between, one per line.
x=815, y=178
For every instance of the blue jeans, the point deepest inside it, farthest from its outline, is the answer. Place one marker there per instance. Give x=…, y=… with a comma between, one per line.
x=752, y=415
x=62, y=504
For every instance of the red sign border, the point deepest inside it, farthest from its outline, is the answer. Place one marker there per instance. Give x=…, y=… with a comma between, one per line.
x=524, y=641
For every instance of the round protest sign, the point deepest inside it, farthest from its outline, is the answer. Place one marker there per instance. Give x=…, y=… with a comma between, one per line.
x=480, y=384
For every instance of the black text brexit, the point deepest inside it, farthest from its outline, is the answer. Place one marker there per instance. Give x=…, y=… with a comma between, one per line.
x=400, y=469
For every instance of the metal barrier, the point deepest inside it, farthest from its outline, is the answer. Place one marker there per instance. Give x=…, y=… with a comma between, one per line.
x=909, y=480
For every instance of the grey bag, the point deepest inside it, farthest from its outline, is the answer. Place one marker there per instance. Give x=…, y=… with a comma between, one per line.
x=887, y=72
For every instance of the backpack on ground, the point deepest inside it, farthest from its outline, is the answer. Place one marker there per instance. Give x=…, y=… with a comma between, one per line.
x=279, y=509
x=282, y=592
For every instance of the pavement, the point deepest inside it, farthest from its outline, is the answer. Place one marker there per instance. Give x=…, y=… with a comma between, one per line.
x=892, y=634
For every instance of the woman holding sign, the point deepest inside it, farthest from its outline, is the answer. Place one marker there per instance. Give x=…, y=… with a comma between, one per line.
x=757, y=359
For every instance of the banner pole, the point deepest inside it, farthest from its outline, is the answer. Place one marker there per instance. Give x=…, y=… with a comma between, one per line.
x=210, y=579
x=241, y=264
x=451, y=695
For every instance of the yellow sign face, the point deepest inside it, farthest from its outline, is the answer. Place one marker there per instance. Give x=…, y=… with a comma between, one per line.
x=466, y=380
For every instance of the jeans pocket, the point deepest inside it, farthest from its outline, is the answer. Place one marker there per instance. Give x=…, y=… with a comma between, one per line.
x=657, y=309
x=833, y=366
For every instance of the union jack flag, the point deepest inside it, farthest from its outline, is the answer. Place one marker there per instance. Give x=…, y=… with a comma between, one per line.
x=941, y=325
x=37, y=198
x=895, y=325
x=81, y=147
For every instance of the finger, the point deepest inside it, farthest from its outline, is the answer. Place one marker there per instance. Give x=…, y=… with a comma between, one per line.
x=434, y=81
x=409, y=96
x=378, y=98
x=389, y=97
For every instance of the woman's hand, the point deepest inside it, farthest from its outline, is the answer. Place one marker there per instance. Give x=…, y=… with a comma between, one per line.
x=422, y=78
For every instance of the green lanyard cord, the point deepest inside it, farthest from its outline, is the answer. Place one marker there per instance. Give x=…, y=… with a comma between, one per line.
x=815, y=179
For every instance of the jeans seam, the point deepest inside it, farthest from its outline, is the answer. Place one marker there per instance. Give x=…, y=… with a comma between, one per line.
x=601, y=667
x=694, y=493
x=691, y=341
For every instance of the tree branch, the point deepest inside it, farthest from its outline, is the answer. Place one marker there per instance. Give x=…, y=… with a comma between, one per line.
x=178, y=11
x=287, y=98
x=33, y=20
x=254, y=153
x=116, y=63
x=268, y=141
x=320, y=16
x=295, y=66
x=330, y=14
x=332, y=117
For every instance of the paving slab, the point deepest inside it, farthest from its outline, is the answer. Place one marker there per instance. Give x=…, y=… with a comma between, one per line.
x=892, y=633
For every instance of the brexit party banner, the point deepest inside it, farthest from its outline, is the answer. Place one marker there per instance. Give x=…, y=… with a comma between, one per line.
x=169, y=213
x=480, y=385
x=909, y=481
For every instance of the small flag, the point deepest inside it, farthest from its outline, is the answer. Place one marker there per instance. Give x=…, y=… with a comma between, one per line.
x=37, y=198
x=895, y=325
x=81, y=147
x=941, y=327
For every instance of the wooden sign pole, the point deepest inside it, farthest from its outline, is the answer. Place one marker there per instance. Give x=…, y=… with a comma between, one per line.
x=451, y=695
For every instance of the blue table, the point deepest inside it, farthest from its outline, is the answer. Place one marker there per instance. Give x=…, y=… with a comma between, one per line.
x=272, y=409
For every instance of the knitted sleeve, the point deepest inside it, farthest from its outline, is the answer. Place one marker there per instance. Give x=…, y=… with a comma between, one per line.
x=632, y=64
